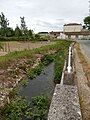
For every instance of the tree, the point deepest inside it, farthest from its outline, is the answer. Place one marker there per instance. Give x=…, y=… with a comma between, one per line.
x=23, y=26
x=18, y=32
x=87, y=22
x=30, y=33
x=10, y=32
x=4, y=23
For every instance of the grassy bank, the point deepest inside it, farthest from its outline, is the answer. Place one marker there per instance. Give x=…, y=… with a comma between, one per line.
x=84, y=62
x=27, y=53
x=18, y=107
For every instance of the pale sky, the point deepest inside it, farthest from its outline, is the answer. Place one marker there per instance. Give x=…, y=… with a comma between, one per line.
x=45, y=15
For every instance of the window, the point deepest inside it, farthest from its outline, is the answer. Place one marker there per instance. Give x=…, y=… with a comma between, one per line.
x=76, y=36
x=69, y=36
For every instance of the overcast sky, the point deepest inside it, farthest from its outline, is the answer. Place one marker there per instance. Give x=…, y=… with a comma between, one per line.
x=45, y=15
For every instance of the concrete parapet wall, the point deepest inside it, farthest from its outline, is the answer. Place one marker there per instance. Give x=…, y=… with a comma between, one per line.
x=69, y=78
x=65, y=104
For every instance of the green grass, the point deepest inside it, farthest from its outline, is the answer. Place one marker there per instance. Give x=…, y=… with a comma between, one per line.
x=60, y=46
x=59, y=63
x=40, y=107
x=58, y=59
x=19, y=106
x=28, y=53
x=24, y=83
x=47, y=58
x=35, y=72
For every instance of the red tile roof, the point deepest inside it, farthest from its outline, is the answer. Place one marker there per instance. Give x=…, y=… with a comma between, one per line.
x=70, y=24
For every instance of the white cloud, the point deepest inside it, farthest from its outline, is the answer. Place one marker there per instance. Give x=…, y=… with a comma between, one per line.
x=44, y=15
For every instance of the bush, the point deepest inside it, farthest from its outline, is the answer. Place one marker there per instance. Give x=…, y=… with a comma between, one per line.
x=35, y=72
x=31, y=75
x=16, y=109
x=47, y=58
x=40, y=104
x=24, y=83
x=19, y=109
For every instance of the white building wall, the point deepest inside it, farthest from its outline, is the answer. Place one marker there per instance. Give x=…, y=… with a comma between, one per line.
x=72, y=28
x=79, y=37
x=73, y=36
x=62, y=36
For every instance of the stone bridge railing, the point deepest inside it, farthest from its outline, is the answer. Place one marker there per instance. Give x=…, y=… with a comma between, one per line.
x=65, y=102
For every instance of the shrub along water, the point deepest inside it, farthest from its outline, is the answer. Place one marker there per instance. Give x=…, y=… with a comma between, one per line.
x=28, y=53
x=40, y=106
x=24, y=83
x=35, y=71
x=18, y=107
x=59, y=63
x=45, y=60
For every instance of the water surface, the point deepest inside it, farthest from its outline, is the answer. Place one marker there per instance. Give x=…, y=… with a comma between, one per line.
x=41, y=85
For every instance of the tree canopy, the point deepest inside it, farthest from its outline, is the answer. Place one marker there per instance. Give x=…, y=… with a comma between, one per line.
x=87, y=22
x=18, y=32
x=23, y=26
x=4, y=23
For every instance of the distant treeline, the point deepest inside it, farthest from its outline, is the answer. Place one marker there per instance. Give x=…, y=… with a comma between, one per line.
x=19, y=33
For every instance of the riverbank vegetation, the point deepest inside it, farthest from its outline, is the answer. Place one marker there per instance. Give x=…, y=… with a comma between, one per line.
x=17, y=109
x=59, y=63
x=28, y=53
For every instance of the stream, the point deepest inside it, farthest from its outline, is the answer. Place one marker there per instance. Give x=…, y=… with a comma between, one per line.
x=41, y=85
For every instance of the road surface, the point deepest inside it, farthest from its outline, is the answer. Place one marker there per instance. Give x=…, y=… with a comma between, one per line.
x=85, y=47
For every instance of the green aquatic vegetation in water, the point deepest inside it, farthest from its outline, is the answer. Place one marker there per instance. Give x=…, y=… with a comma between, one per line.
x=35, y=72
x=24, y=83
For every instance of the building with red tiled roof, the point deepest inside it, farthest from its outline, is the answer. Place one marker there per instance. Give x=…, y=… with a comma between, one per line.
x=71, y=31
x=75, y=31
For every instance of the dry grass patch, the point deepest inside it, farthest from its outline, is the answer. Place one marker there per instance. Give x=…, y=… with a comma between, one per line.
x=84, y=85
x=84, y=62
